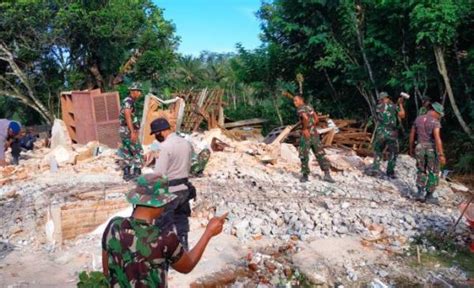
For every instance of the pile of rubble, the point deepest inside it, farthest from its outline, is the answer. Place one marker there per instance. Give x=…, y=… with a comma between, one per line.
x=257, y=183
x=268, y=200
x=57, y=178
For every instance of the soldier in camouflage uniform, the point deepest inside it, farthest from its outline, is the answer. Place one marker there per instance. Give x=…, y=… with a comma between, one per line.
x=138, y=253
x=386, y=133
x=426, y=105
x=131, y=150
x=428, y=152
x=310, y=140
x=199, y=162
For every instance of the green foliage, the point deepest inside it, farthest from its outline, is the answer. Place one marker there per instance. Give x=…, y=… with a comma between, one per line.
x=92, y=279
x=81, y=45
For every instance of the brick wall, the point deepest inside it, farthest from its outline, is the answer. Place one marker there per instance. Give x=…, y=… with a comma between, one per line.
x=84, y=216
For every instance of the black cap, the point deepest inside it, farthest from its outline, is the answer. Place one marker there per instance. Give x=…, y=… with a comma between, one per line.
x=159, y=125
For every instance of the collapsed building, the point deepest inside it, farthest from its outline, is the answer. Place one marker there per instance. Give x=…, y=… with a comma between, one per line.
x=57, y=200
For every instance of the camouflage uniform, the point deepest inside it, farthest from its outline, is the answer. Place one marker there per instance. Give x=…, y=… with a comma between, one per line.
x=199, y=162
x=139, y=253
x=427, y=162
x=386, y=135
x=313, y=143
x=131, y=153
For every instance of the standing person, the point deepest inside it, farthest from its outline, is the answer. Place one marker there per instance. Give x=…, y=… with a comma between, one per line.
x=8, y=131
x=428, y=152
x=426, y=105
x=138, y=253
x=386, y=133
x=310, y=140
x=131, y=150
x=174, y=162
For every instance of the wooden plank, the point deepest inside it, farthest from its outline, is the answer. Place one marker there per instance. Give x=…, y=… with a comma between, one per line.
x=329, y=138
x=248, y=122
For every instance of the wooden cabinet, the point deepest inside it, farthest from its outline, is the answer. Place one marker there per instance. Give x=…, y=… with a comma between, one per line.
x=92, y=116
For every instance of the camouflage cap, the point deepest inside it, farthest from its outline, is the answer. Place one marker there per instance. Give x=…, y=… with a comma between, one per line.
x=382, y=95
x=438, y=108
x=152, y=191
x=135, y=86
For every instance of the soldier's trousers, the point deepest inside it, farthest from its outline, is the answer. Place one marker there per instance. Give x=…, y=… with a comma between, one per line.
x=427, y=165
x=131, y=153
x=314, y=144
x=381, y=141
x=199, y=162
x=177, y=212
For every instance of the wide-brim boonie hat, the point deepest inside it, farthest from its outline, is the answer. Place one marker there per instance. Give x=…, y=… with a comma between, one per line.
x=438, y=108
x=151, y=190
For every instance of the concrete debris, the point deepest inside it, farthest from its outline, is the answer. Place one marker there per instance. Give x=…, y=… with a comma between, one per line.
x=60, y=135
x=266, y=201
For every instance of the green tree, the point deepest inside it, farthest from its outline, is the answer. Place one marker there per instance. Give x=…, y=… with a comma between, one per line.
x=48, y=46
x=437, y=24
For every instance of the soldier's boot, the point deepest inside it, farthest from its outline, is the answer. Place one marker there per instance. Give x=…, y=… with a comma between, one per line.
x=391, y=175
x=126, y=173
x=371, y=171
x=304, y=178
x=430, y=199
x=137, y=172
x=328, y=178
x=419, y=195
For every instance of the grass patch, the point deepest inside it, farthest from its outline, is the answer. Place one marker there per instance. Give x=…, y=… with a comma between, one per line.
x=447, y=253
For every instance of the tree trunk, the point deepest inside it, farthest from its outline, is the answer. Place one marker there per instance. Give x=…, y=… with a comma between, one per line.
x=95, y=71
x=360, y=42
x=277, y=110
x=438, y=51
x=333, y=92
x=28, y=99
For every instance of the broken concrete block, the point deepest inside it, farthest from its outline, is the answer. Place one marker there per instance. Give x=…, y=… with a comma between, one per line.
x=289, y=153
x=59, y=135
x=62, y=156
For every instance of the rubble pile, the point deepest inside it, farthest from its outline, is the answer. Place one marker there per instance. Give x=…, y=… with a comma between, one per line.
x=50, y=177
x=268, y=199
x=259, y=185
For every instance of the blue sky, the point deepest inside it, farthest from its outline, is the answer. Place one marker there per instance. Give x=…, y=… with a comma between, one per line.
x=213, y=25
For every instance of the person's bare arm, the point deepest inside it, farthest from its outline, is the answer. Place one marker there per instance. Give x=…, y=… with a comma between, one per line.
x=316, y=118
x=401, y=113
x=3, y=147
x=439, y=145
x=412, y=141
x=128, y=118
x=189, y=260
x=105, y=263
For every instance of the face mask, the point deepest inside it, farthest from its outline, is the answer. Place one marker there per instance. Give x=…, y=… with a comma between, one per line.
x=159, y=137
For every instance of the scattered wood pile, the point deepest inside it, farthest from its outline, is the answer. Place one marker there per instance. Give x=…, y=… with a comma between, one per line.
x=338, y=132
x=207, y=105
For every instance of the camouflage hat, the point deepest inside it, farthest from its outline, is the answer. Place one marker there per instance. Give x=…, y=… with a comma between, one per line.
x=438, y=108
x=382, y=95
x=151, y=191
x=135, y=86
